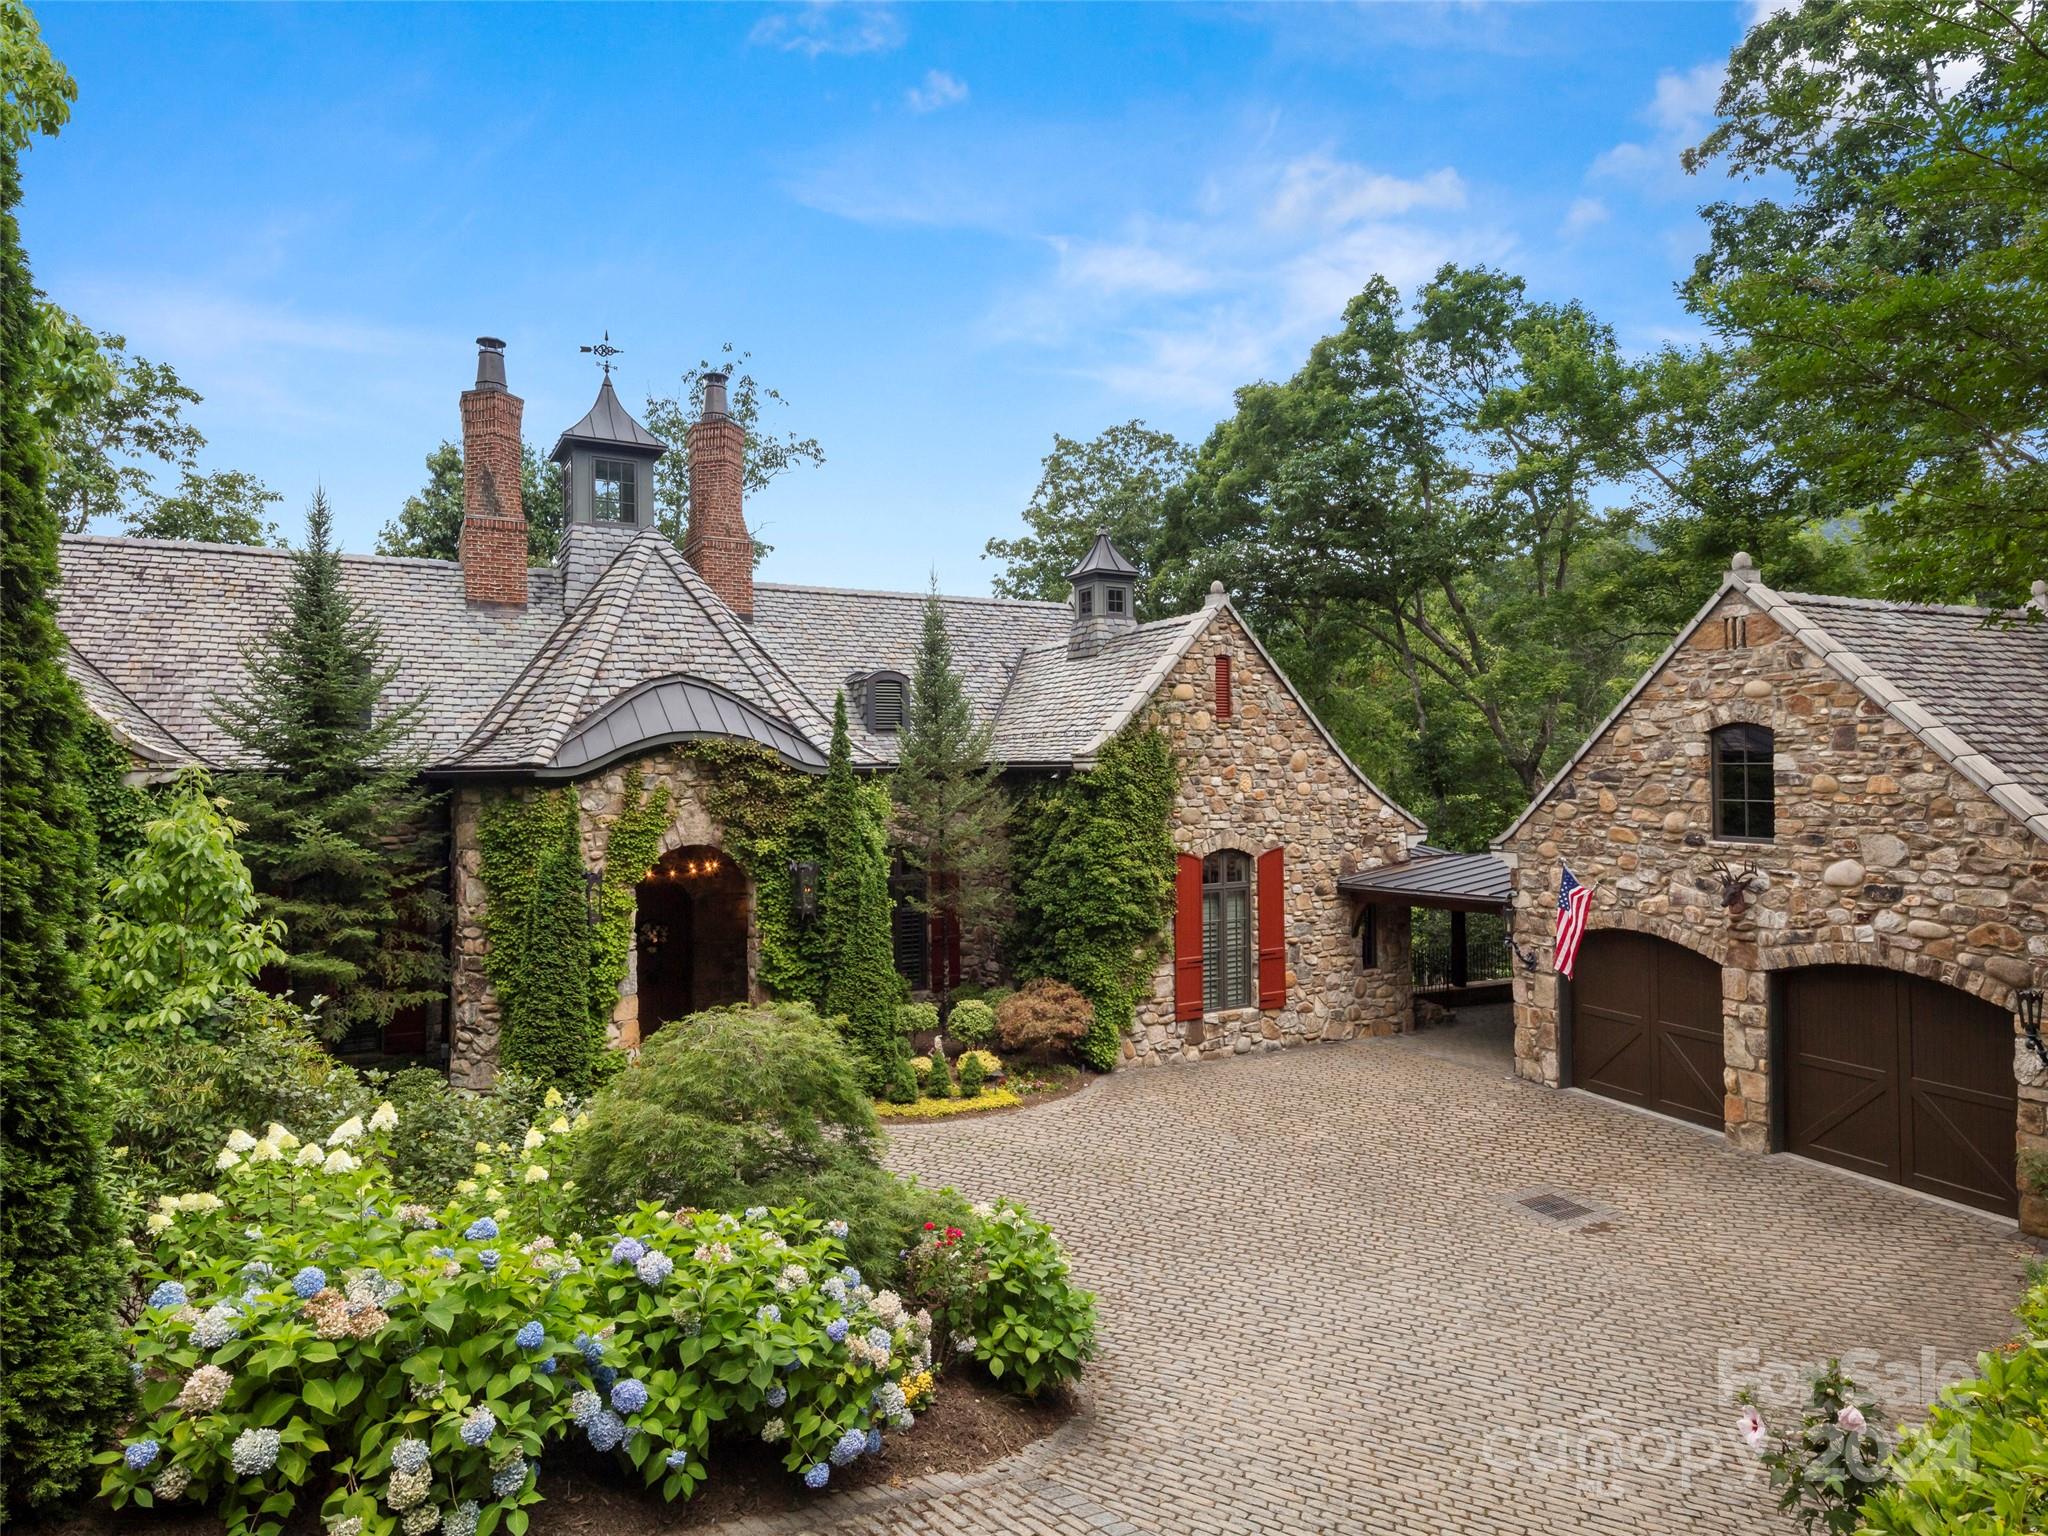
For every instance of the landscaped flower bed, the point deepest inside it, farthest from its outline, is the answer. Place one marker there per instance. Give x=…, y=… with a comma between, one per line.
x=310, y=1336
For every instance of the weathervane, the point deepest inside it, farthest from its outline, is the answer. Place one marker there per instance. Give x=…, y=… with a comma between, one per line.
x=604, y=352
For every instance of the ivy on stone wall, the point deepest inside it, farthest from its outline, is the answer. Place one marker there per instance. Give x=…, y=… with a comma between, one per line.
x=1093, y=858
x=539, y=953
x=629, y=851
x=119, y=809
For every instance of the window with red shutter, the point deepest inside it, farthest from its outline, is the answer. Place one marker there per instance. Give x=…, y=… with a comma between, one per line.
x=1187, y=937
x=1272, y=929
x=1222, y=687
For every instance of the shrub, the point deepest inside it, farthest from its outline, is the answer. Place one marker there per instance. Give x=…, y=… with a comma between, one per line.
x=939, y=1109
x=991, y=1063
x=972, y=1022
x=938, y=1082
x=1000, y=1294
x=972, y=1074
x=913, y=1019
x=1826, y=1465
x=904, y=1077
x=1046, y=1015
x=1975, y=1465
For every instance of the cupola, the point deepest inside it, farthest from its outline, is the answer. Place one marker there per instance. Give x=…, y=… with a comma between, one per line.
x=1105, y=597
x=607, y=462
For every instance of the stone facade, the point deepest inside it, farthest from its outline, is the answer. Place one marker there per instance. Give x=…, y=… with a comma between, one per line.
x=1266, y=778
x=1883, y=855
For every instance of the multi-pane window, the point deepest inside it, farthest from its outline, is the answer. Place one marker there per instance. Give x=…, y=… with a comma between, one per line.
x=1087, y=600
x=614, y=497
x=1226, y=931
x=1744, y=794
x=1116, y=599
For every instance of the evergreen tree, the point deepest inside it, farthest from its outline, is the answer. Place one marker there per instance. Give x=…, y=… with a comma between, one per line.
x=551, y=1034
x=861, y=984
x=340, y=833
x=63, y=1382
x=952, y=813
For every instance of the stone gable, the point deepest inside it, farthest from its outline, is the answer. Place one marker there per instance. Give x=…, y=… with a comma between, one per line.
x=1883, y=854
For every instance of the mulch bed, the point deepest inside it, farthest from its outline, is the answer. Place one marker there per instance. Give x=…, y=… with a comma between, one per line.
x=971, y=1425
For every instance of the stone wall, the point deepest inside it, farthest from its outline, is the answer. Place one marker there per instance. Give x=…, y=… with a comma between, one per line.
x=1883, y=855
x=1266, y=778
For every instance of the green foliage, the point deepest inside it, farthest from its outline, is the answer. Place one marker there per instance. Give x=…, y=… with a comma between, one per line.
x=126, y=412
x=768, y=818
x=119, y=809
x=64, y=1381
x=1118, y=483
x=340, y=836
x=916, y=1018
x=972, y=1075
x=177, y=929
x=553, y=1030
x=938, y=1080
x=972, y=1022
x=1830, y=1463
x=227, y=506
x=429, y=524
x=952, y=812
x=631, y=845
x=1975, y=1467
x=1004, y=1283
x=903, y=1085
x=1887, y=290
x=1096, y=864
x=861, y=985
x=768, y=453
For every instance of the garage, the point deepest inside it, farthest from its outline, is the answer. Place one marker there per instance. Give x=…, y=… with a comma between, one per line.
x=1646, y=1026
x=1902, y=1079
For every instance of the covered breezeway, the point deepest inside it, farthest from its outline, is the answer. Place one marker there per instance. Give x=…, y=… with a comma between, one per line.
x=1458, y=903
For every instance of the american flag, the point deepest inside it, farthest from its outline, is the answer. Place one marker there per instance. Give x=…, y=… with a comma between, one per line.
x=1573, y=902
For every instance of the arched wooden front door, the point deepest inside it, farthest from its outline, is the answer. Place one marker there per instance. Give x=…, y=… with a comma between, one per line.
x=691, y=934
x=1902, y=1079
x=1646, y=1026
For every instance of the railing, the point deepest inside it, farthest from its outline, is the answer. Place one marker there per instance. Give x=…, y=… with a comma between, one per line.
x=1432, y=963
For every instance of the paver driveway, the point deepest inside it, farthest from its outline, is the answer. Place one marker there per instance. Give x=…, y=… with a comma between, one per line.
x=1322, y=1312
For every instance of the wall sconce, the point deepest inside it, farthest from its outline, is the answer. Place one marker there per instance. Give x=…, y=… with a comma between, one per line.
x=593, y=889
x=1527, y=958
x=803, y=895
x=2029, y=1010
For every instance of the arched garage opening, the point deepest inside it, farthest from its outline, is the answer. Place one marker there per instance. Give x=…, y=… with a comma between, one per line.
x=1900, y=1078
x=1646, y=1026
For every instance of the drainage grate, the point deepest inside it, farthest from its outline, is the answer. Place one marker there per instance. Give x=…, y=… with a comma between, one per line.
x=1561, y=1210
x=1555, y=1207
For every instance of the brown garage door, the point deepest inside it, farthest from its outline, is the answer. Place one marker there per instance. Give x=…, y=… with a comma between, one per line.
x=1902, y=1079
x=1646, y=1025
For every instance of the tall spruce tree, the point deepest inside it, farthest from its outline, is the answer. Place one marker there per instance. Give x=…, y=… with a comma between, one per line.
x=952, y=813
x=63, y=1383
x=340, y=832
x=861, y=984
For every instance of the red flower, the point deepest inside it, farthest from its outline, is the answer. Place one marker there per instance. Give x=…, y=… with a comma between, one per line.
x=931, y=1226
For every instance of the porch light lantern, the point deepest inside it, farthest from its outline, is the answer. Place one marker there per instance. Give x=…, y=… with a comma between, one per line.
x=2029, y=1009
x=803, y=896
x=593, y=889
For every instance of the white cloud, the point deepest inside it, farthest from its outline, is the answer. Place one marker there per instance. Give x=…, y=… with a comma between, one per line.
x=1131, y=266
x=1680, y=112
x=1316, y=189
x=939, y=90
x=831, y=26
x=1584, y=213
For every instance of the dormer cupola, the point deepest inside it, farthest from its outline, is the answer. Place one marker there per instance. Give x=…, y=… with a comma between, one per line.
x=607, y=462
x=1105, y=597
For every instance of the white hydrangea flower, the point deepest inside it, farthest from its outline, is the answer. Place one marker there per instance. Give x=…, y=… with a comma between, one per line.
x=533, y=1138
x=204, y=1200
x=310, y=1155
x=536, y=1174
x=240, y=1140
x=559, y=1126
x=265, y=1151
x=227, y=1159
x=340, y=1161
x=277, y=1133
x=159, y=1221
x=384, y=1117
x=347, y=1131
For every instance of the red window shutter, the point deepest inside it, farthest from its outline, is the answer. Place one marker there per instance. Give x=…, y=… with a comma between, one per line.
x=1272, y=929
x=1187, y=938
x=1222, y=687
x=944, y=949
x=952, y=950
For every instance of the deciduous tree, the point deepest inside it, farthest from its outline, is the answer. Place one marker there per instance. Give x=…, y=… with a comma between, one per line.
x=429, y=525
x=1119, y=480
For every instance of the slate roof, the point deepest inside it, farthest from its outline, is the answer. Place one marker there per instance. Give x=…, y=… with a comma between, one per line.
x=122, y=715
x=1060, y=708
x=1971, y=684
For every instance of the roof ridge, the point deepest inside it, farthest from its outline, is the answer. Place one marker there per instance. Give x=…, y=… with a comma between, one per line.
x=989, y=599
x=1892, y=605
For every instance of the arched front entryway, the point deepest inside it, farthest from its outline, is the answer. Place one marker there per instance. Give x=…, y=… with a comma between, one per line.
x=691, y=935
x=1646, y=1026
x=1903, y=1079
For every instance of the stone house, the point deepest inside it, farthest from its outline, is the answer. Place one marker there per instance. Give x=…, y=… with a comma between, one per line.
x=596, y=670
x=1816, y=836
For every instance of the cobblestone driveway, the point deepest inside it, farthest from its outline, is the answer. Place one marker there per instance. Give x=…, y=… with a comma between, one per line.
x=1321, y=1311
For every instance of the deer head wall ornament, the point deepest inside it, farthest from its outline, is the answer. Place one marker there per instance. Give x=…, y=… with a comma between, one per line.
x=1737, y=885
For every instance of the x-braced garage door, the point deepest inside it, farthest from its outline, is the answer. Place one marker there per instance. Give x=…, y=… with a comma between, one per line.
x=1646, y=1025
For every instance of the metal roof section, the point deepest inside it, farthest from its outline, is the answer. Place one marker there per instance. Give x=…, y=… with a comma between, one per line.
x=1458, y=882
x=608, y=424
x=670, y=709
x=1102, y=559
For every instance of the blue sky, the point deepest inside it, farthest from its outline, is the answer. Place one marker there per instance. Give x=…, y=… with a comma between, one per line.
x=945, y=232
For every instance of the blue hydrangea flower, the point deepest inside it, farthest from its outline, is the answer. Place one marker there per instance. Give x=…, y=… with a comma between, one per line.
x=256, y=1271
x=627, y=1250
x=629, y=1396
x=488, y=1257
x=777, y=1395
x=442, y=1253
x=675, y=1461
x=850, y=1275
x=770, y=1313
x=254, y=1452
x=531, y=1335
x=836, y=1228
x=309, y=1282
x=874, y=1442
x=654, y=1266
x=848, y=1447
x=169, y=1294
x=604, y=1376
x=510, y=1478
x=409, y=1455
x=606, y=1431
x=591, y=1349
x=817, y=1475
x=585, y=1405
x=482, y=1230
x=836, y=1330
x=548, y=1366
x=834, y=1289
x=140, y=1453
x=878, y=1338
x=757, y=1213
x=460, y=1521
x=479, y=1426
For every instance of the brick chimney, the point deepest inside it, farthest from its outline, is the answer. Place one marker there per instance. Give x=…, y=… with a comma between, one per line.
x=718, y=543
x=493, y=519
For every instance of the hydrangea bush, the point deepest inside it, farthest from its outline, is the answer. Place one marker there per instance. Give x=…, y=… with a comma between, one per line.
x=1004, y=1296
